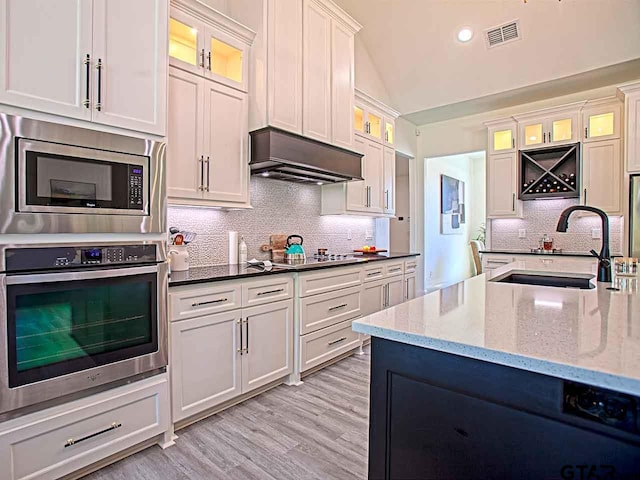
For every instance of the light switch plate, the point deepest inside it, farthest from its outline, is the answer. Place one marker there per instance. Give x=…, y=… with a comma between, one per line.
x=522, y=233
x=368, y=235
x=596, y=233
x=349, y=236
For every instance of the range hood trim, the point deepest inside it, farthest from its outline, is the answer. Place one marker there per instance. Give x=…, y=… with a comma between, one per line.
x=275, y=150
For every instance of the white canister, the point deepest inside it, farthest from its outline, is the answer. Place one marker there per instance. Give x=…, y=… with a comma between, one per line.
x=178, y=258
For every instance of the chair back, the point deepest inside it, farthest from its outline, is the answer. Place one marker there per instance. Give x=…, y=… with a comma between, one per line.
x=476, y=247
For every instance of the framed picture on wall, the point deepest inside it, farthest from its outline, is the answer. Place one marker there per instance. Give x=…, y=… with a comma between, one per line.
x=452, y=205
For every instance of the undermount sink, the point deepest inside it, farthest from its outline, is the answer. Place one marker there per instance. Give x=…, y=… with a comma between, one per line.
x=582, y=282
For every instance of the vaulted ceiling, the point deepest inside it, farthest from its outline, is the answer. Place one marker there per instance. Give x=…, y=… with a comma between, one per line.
x=429, y=74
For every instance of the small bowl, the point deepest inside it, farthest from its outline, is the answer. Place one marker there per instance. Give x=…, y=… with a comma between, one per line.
x=322, y=251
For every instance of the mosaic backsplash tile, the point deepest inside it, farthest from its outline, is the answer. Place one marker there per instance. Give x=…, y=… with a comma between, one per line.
x=541, y=216
x=279, y=207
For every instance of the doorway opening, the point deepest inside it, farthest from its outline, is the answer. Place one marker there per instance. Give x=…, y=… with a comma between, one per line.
x=455, y=214
x=400, y=225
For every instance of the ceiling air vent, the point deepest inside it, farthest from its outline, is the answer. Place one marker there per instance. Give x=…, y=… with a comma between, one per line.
x=509, y=32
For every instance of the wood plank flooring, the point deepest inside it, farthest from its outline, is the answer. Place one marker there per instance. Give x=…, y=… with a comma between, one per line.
x=318, y=430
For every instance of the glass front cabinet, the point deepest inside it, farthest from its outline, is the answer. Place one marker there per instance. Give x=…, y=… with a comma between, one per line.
x=558, y=128
x=207, y=51
x=502, y=137
x=374, y=124
x=601, y=121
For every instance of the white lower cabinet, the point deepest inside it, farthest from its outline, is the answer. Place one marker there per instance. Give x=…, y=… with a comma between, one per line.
x=268, y=344
x=410, y=286
x=395, y=291
x=228, y=339
x=324, y=345
x=205, y=362
x=373, y=295
x=60, y=440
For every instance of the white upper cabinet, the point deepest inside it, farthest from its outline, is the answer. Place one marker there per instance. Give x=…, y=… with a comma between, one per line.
x=302, y=67
x=207, y=43
x=45, y=68
x=316, y=72
x=601, y=120
x=226, y=170
x=553, y=126
x=343, y=84
x=374, y=119
x=502, y=198
x=602, y=174
x=96, y=60
x=502, y=136
x=631, y=93
x=129, y=49
x=185, y=142
x=207, y=153
x=284, y=67
x=389, y=190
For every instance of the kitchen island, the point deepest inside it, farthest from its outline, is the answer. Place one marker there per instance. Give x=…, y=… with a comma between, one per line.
x=499, y=380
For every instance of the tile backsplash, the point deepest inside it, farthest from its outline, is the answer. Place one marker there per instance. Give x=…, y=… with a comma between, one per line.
x=541, y=216
x=278, y=207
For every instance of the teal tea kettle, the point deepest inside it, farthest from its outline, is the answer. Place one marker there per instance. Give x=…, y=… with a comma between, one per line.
x=294, y=253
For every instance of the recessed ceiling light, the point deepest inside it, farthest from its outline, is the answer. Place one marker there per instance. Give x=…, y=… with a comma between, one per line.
x=465, y=34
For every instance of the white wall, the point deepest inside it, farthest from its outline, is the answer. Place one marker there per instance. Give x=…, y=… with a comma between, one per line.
x=448, y=257
x=367, y=77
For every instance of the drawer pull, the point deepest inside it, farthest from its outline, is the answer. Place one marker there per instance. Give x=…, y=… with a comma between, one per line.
x=210, y=302
x=338, y=307
x=269, y=292
x=72, y=441
x=337, y=341
x=395, y=270
x=374, y=273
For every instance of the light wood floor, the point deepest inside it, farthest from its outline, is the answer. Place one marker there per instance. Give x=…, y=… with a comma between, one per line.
x=318, y=430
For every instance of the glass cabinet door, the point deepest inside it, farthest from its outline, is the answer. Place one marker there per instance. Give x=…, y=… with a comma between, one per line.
x=358, y=119
x=224, y=60
x=562, y=130
x=389, y=132
x=601, y=123
x=533, y=135
x=502, y=140
x=374, y=125
x=183, y=42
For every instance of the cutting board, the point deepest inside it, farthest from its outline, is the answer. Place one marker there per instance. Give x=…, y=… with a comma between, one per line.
x=277, y=244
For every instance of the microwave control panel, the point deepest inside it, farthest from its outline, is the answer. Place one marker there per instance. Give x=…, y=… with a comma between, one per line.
x=29, y=259
x=136, y=187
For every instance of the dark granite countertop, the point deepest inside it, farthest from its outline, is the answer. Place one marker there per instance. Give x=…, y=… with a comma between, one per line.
x=217, y=273
x=529, y=252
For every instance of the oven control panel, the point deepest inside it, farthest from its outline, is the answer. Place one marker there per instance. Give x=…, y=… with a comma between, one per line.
x=24, y=259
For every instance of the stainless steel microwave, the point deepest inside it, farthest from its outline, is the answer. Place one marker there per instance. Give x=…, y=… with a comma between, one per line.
x=61, y=179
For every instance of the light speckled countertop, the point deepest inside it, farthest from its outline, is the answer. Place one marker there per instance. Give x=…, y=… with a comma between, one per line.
x=589, y=336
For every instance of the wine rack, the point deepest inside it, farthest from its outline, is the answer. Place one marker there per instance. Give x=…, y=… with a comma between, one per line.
x=552, y=172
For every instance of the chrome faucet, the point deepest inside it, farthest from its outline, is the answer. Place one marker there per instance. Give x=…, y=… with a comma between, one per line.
x=604, y=257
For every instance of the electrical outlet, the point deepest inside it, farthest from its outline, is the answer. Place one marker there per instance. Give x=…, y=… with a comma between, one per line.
x=368, y=235
x=430, y=275
x=522, y=233
x=596, y=233
x=349, y=236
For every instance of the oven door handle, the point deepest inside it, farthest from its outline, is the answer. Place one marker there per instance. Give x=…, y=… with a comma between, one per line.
x=71, y=276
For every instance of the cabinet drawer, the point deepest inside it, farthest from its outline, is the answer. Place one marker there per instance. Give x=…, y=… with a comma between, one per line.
x=410, y=266
x=63, y=439
x=328, y=280
x=195, y=301
x=490, y=262
x=260, y=292
x=392, y=269
x=320, y=311
x=323, y=345
x=373, y=272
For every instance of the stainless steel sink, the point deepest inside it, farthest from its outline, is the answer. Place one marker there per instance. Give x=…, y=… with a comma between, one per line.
x=581, y=281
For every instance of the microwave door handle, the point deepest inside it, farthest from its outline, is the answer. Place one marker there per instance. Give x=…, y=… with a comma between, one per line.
x=71, y=276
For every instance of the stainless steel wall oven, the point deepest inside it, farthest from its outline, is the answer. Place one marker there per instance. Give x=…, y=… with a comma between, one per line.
x=60, y=179
x=75, y=317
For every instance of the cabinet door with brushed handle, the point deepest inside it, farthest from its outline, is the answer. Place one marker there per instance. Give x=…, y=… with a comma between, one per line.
x=268, y=344
x=226, y=169
x=46, y=61
x=130, y=42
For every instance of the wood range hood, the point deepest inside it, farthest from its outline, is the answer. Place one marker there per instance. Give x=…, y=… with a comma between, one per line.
x=287, y=156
